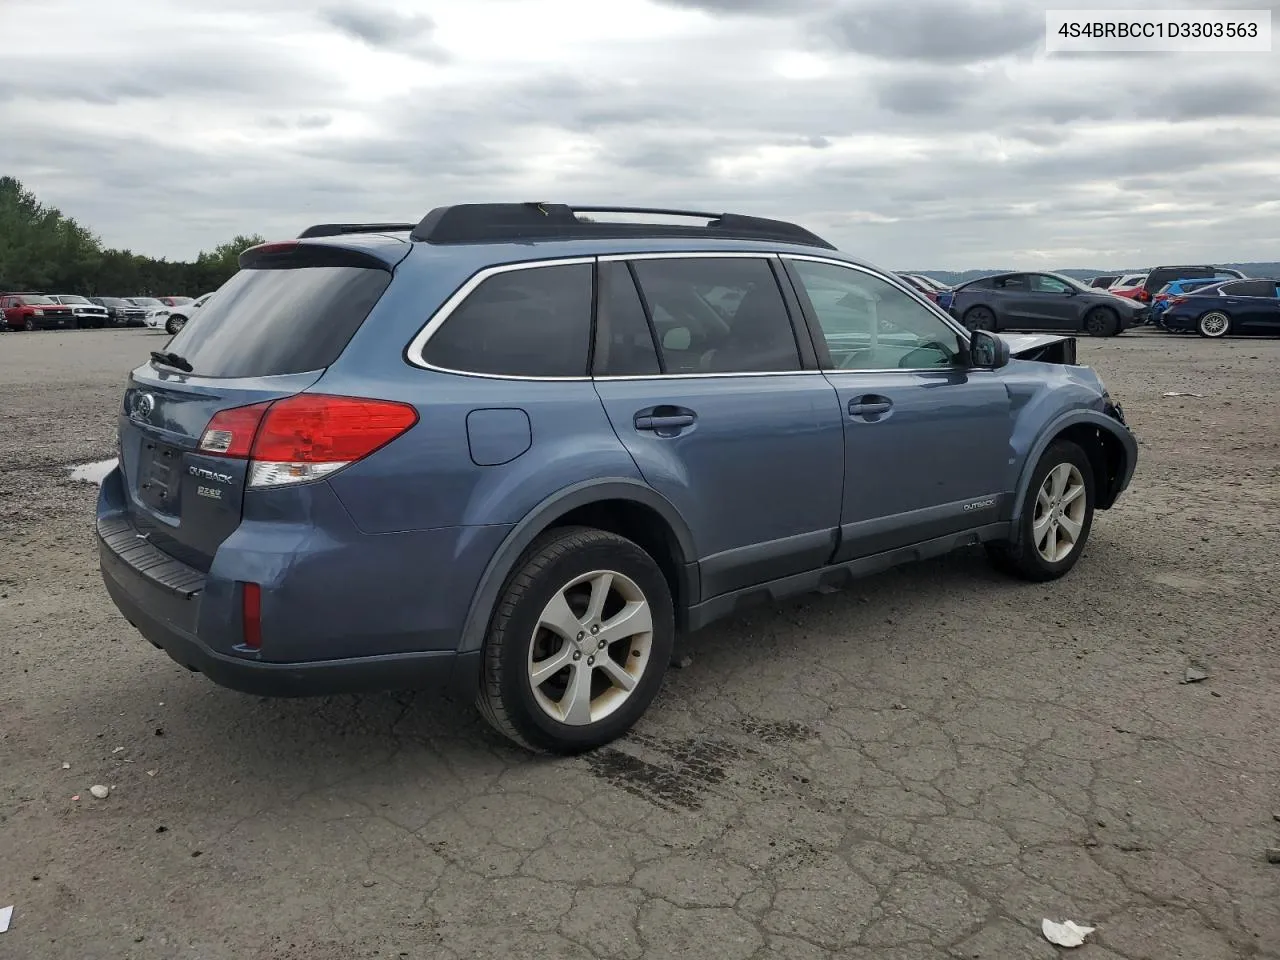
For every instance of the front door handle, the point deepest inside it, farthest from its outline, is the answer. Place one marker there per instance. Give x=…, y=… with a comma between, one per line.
x=870, y=405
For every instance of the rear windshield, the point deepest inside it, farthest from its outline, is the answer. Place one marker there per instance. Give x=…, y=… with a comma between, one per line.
x=268, y=322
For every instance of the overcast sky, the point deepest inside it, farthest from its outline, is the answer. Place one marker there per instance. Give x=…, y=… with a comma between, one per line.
x=915, y=133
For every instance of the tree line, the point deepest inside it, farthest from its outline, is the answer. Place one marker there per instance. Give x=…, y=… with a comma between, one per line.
x=43, y=251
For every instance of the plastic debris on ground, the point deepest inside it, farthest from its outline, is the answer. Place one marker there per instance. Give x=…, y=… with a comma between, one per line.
x=1195, y=674
x=1178, y=393
x=1065, y=934
x=6, y=914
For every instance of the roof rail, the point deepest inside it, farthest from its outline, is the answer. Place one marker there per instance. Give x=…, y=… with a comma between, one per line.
x=525, y=222
x=339, y=229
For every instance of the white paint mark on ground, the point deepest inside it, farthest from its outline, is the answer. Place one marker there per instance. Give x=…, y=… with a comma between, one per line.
x=93, y=472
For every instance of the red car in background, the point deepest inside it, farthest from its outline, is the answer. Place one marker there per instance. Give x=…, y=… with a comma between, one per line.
x=34, y=311
x=1131, y=286
x=175, y=301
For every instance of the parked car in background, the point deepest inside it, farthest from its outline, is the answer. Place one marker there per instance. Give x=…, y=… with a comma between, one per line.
x=1130, y=286
x=1042, y=301
x=180, y=315
x=924, y=289
x=122, y=312
x=155, y=309
x=174, y=301
x=437, y=457
x=34, y=311
x=1159, y=276
x=1175, y=288
x=1232, y=306
x=1104, y=281
x=86, y=314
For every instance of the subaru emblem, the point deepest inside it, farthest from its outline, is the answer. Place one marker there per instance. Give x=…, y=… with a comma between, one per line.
x=143, y=405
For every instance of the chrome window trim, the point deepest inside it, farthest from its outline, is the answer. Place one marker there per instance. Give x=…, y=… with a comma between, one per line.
x=414, y=351
x=689, y=255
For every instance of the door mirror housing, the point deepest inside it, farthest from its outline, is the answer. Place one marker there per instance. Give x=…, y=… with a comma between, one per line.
x=987, y=351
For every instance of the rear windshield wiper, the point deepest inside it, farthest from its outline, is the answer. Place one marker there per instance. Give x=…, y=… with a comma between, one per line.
x=172, y=360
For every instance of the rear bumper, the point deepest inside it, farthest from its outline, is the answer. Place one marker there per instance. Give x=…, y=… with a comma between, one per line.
x=162, y=613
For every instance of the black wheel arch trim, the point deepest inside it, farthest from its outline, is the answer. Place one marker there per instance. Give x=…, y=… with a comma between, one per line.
x=1088, y=418
x=541, y=517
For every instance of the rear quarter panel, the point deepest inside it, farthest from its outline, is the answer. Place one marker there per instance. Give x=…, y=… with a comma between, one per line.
x=428, y=478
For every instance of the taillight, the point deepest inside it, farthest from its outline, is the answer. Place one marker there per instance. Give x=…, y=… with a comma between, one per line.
x=251, y=615
x=305, y=437
x=1144, y=296
x=1161, y=297
x=230, y=433
x=1174, y=301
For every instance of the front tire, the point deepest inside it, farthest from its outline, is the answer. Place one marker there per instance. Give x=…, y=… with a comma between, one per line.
x=1057, y=515
x=1101, y=322
x=1214, y=325
x=174, y=324
x=578, y=643
x=29, y=325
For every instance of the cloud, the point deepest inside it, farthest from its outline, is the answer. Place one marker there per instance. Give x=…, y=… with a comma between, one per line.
x=914, y=134
x=935, y=31
x=387, y=30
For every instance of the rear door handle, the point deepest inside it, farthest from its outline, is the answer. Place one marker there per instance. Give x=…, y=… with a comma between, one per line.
x=664, y=418
x=665, y=423
x=869, y=406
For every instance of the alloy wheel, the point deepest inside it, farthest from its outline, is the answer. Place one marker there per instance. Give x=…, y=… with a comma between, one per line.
x=1060, y=513
x=591, y=647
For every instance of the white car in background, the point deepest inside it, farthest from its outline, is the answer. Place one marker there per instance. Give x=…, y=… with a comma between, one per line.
x=176, y=317
x=156, y=311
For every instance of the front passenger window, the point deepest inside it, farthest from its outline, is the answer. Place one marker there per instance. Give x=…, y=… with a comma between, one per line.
x=869, y=324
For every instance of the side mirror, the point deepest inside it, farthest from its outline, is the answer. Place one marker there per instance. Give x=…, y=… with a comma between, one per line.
x=987, y=351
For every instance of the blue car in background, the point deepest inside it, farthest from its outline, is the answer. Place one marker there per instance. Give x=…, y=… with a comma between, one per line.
x=510, y=450
x=1233, y=307
x=1175, y=288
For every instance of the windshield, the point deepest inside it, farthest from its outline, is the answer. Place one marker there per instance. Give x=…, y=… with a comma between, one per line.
x=37, y=301
x=147, y=301
x=73, y=299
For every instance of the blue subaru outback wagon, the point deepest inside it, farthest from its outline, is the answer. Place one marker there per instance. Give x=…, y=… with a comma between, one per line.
x=513, y=449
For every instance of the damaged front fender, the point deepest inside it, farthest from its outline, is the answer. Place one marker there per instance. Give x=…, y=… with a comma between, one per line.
x=1042, y=347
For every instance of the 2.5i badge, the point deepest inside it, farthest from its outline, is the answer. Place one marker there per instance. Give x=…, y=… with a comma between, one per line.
x=213, y=493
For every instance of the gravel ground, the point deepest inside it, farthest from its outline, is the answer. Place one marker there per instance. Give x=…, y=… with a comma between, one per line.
x=924, y=766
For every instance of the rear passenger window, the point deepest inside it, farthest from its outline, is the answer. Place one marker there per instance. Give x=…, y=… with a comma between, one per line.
x=530, y=322
x=624, y=345
x=718, y=315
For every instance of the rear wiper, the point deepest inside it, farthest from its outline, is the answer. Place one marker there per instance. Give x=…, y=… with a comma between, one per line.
x=172, y=360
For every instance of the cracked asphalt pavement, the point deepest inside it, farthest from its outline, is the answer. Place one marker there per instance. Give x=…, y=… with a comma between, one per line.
x=924, y=766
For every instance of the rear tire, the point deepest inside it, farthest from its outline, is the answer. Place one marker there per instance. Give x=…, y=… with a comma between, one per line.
x=979, y=318
x=565, y=689
x=1214, y=325
x=1057, y=515
x=1101, y=322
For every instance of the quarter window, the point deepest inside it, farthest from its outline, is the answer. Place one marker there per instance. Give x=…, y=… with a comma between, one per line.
x=530, y=322
x=718, y=315
x=869, y=324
